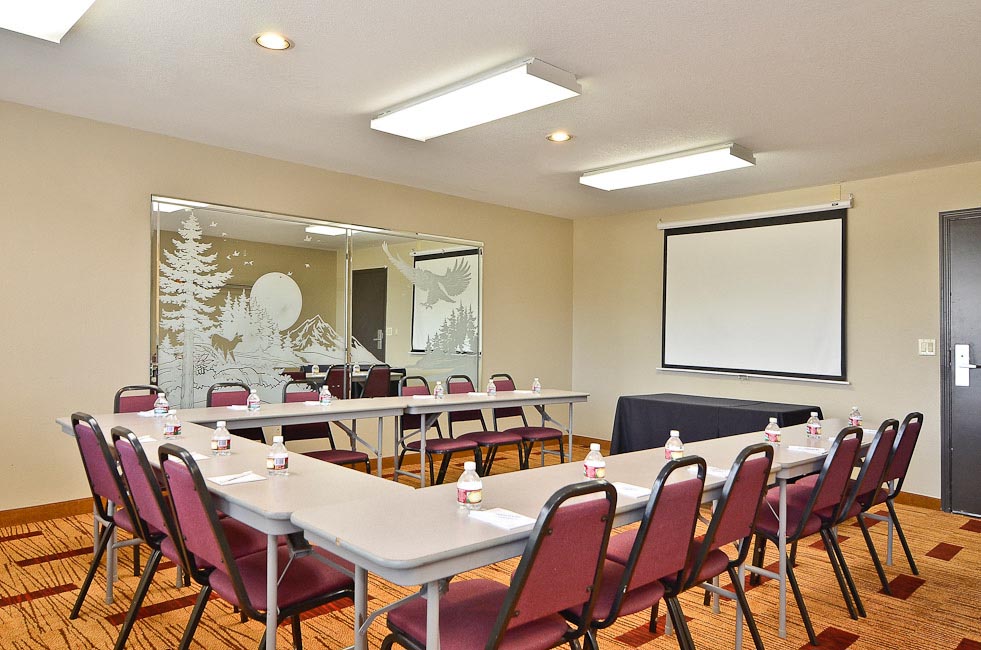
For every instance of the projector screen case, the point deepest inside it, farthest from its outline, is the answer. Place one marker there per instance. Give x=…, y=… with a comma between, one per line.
x=762, y=297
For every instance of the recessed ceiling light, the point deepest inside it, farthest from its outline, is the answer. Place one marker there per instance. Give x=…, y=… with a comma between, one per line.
x=330, y=231
x=684, y=164
x=49, y=20
x=514, y=88
x=558, y=136
x=273, y=41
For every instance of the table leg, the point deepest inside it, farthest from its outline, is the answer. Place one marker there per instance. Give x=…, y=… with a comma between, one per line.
x=782, y=551
x=570, y=432
x=360, y=608
x=272, y=589
x=378, y=455
x=432, y=615
x=425, y=422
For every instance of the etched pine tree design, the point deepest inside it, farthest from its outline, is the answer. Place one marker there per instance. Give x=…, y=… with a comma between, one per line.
x=188, y=278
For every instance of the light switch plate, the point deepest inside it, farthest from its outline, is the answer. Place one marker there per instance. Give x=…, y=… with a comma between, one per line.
x=928, y=347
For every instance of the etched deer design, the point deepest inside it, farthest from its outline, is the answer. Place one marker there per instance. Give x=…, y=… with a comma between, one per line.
x=225, y=346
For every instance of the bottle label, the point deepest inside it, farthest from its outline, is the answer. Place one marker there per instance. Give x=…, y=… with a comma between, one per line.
x=814, y=430
x=253, y=406
x=773, y=436
x=594, y=471
x=278, y=463
x=172, y=430
x=465, y=496
x=160, y=410
x=221, y=444
x=673, y=454
x=855, y=421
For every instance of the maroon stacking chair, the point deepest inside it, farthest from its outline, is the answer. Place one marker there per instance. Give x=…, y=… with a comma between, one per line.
x=337, y=380
x=154, y=521
x=733, y=524
x=123, y=402
x=310, y=392
x=377, y=383
x=909, y=433
x=560, y=570
x=233, y=393
x=486, y=439
x=645, y=565
x=529, y=435
x=106, y=486
x=826, y=494
x=445, y=447
x=305, y=582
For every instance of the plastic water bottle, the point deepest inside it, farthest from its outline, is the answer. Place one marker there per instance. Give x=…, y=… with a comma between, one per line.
x=469, y=487
x=325, y=396
x=594, y=466
x=278, y=458
x=674, y=448
x=772, y=432
x=855, y=417
x=814, y=425
x=355, y=369
x=438, y=391
x=536, y=386
x=491, y=388
x=172, y=425
x=221, y=441
x=253, y=401
x=161, y=406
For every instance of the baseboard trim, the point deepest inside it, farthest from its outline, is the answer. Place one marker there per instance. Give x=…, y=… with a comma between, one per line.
x=32, y=514
x=918, y=500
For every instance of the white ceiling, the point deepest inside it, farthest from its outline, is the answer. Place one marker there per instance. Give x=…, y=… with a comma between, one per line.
x=820, y=91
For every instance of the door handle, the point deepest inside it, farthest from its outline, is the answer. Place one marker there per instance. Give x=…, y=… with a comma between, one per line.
x=378, y=339
x=962, y=364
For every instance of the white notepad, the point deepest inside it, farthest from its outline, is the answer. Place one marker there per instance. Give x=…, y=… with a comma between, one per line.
x=199, y=456
x=237, y=407
x=149, y=414
x=870, y=432
x=474, y=394
x=423, y=397
x=632, y=491
x=314, y=403
x=524, y=392
x=501, y=518
x=146, y=439
x=234, y=479
x=807, y=450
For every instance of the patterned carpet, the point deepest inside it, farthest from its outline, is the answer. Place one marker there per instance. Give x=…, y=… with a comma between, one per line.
x=43, y=564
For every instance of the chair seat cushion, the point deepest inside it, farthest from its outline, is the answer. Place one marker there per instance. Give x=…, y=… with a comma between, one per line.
x=306, y=579
x=536, y=433
x=491, y=438
x=242, y=539
x=716, y=563
x=442, y=445
x=467, y=614
x=620, y=546
x=635, y=600
x=768, y=523
x=339, y=456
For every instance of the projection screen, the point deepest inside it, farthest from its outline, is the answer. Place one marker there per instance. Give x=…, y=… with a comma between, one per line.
x=763, y=297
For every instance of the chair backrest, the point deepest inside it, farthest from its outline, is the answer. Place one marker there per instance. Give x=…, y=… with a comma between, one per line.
x=104, y=480
x=228, y=393
x=337, y=380
x=153, y=512
x=736, y=511
x=664, y=538
x=196, y=517
x=829, y=493
x=502, y=381
x=909, y=433
x=122, y=403
x=873, y=469
x=561, y=565
x=309, y=391
x=456, y=384
x=378, y=381
x=408, y=386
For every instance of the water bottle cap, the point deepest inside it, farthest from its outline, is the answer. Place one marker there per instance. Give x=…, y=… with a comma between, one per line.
x=854, y=408
x=221, y=423
x=252, y=390
x=594, y=446
x=674, y=433
x=162, y=395
x=277, y=439
x=469, y=466
x=814, y=414
x=773, y=420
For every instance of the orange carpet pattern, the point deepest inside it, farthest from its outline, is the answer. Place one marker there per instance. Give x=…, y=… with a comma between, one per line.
x=42, y=565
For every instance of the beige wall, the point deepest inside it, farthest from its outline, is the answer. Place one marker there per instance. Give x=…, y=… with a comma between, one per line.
x=75, y=208
x=893, y=299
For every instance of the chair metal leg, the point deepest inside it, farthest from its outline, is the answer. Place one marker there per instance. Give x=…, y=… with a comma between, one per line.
x=136, y=560
x=192, y=623
x=737, y=585
x=429, y=464
x=589, y=640
x=832, y=557
x=902, y=537
x=677, y=616
x=847, y=573
x=874, y=554
x=489, y=461
x=104, y=540
x=387, y=642
x=759, y=553
x=799, y=597
x=297, y=636
x=443, y=466
x=134, y=608
x=652, y=626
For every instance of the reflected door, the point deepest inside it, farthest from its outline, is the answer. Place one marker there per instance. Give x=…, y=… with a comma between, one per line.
x=369, y=295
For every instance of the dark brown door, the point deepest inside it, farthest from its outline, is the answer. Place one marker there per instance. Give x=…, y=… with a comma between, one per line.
x=369, y=292
x=961, y=237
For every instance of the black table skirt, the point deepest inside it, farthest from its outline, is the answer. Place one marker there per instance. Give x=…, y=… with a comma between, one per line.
x=643, y=421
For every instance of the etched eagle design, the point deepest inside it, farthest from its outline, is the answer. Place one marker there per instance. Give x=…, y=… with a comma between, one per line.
x=437, y=287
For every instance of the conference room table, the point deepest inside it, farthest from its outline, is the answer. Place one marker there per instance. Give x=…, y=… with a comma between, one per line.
x=440, y=540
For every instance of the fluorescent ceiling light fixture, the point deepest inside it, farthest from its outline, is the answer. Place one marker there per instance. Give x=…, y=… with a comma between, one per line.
x=330, y=231
x=685, y=164
x=162, y=204
x=517, y=87
x=46, y=19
